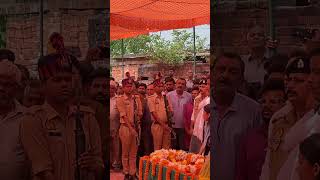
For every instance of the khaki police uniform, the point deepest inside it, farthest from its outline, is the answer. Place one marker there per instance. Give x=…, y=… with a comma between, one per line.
x=279, y=126
x=100, y=115
x=125, y=106
x=114, y=131
x=49, y=140
x=14, y=164
x=161, y=136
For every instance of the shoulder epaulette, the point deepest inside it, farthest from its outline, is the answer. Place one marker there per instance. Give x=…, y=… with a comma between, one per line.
x=136, y=96
x=120, y=96
x=86, y=109
x=152, y=96
x=33, y=109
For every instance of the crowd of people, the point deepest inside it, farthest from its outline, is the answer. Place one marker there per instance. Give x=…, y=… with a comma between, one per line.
x=168, y=113
x=262, y=122
x=259, y=119
x=265, y=120
x=54, y=124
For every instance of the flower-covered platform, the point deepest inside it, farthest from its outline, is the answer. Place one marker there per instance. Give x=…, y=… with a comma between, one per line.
x=171, y=165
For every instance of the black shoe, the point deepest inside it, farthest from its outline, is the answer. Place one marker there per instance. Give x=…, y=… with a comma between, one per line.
x=127, y=177
x=133, y=177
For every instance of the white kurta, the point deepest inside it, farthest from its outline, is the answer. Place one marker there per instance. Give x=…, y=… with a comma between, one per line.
x=199, y=123
x=300, y=131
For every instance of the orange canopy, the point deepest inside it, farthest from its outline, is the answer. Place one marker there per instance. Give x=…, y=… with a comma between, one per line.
x=129, y=18
x=118, y=32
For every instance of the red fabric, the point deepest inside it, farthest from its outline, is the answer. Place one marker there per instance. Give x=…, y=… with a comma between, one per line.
x=130, y=18
x=252, y=154
x=118, y=32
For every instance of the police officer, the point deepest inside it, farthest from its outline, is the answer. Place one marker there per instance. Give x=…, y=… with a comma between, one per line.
x=13, y=160
x=150, y=90
x=297, y=74
x=304, y=127
x=48, y=131
x=159, y=128
x=97, y=92
x=130, y=110
x=114, y=127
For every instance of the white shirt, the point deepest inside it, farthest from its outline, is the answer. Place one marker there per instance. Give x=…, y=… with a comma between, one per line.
x=254, y=71
x=300, y=131
x=189, y=84
x=199, y=123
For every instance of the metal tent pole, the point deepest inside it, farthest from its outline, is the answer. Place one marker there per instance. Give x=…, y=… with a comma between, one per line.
x=41, y=27
x=271, y=52
x=194, y=51
x=122, y=57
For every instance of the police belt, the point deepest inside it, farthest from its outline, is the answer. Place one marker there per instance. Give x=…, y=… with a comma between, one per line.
x=156, y=122
x=126, y=125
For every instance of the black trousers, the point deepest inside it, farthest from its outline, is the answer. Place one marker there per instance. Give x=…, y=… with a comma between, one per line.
x=178, y=143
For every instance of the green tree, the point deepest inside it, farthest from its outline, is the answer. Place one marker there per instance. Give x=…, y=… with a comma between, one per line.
x=3, y=24
x=138, y=45
x=159, y=49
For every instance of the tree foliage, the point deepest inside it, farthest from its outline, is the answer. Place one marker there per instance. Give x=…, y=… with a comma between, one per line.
x=174, y=51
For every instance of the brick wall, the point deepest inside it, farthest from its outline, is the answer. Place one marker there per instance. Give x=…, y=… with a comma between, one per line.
x=23, y=35
x=23, y=27
x=141, y=66
x=230, y=24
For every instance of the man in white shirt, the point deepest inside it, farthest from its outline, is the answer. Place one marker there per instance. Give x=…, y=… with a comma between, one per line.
x=178, y=98
x=190, y=80
x=256, y=62
x=197, y=121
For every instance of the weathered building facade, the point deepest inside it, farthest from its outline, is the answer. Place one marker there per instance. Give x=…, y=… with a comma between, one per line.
x=231, y=19
x=82, y=23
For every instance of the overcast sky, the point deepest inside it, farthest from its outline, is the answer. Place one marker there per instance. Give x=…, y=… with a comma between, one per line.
x=203, y=31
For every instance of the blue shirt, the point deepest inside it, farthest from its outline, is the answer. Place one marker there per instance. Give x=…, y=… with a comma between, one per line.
x=242, y=115
x=177, y=102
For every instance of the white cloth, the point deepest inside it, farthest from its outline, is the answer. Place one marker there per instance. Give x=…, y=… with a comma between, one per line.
x=189, y=84
x=254, y=70
x=300, y=131
x=199, y=123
